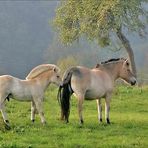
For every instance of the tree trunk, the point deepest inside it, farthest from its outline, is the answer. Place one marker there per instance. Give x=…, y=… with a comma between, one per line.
x=129, y=50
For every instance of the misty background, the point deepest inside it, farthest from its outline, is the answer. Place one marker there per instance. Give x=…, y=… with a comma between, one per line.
x=28, y=38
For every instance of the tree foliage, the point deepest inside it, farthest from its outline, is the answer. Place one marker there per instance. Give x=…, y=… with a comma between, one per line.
x=97, y=19
x=67, y=62
x=100, y=19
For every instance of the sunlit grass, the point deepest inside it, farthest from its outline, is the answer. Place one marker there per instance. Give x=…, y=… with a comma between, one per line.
x=129, y=127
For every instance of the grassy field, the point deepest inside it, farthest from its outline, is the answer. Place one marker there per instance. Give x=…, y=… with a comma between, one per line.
x=128, y=129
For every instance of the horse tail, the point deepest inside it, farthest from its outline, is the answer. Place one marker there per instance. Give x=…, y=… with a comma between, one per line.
x=64, y=94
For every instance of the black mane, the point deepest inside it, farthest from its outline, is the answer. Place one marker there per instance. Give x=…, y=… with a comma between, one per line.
x=112, y=60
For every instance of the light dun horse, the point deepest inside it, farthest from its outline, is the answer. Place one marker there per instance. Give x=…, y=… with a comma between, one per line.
x=32, y=89
x=93, y=84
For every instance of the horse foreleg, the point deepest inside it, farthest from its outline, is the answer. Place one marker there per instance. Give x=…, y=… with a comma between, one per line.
x=99, y=109
x=107, y=109
x=39, y=107
x=33, y=110
x=80, y=103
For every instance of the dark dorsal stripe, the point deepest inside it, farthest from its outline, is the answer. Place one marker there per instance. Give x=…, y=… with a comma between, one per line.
x=112, y=60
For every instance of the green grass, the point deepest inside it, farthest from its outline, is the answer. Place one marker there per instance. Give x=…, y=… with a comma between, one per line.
x=128, y=129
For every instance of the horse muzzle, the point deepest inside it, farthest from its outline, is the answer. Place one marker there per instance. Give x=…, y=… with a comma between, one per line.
x=133, y=81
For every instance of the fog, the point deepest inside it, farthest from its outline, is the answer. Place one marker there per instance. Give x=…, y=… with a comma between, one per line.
x=28, y=38
x=25, y=34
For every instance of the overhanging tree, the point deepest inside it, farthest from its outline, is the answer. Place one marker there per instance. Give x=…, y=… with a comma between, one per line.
x=99, y=19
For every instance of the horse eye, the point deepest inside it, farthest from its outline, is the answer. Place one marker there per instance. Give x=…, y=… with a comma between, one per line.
x=127, y=64
x=58, y=76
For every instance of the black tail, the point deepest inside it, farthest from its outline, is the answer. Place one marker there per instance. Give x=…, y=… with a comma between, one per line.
x=64, y=95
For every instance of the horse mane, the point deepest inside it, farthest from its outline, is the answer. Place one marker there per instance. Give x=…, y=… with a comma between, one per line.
x=112, y=60
x=41, y=69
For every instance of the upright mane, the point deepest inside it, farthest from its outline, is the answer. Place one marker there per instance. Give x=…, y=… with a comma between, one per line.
x=41, y=69
x=112, y=60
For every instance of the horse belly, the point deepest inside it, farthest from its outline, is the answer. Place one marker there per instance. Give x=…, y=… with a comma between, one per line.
x=21, y=94
x=22, y=98
x=94, y=94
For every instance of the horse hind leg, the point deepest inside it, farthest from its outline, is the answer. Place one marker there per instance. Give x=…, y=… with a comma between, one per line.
x=5, y=118
x=80, y=108
x=99, y=106
x=4, y=115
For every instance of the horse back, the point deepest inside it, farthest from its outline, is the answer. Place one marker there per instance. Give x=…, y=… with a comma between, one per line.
x=4, y=79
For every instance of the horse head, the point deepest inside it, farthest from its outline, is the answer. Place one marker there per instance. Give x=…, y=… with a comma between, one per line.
x=126, y=73
x=56, y=78
x=47, y=71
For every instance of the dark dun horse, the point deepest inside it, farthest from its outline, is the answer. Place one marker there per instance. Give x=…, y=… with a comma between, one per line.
x=93, y=84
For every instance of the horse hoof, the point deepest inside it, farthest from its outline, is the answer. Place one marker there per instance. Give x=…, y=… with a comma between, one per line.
x=107, y=120
x=33, y=120
x=100, y=120
x=7, y=126
x=81, y=121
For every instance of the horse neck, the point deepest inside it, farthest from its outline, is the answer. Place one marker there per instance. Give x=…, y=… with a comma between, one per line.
x=112, y=69
x=44, y=79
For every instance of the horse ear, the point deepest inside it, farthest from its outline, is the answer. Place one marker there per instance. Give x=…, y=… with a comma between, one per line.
x=54, y=69
x=97, y=66
x=126, y=62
